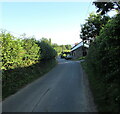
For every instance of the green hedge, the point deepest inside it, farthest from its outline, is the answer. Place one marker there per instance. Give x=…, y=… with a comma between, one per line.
x=102, y=63
x=15, y=79
x=23, y=60
x=18, y=52
x=47, y=51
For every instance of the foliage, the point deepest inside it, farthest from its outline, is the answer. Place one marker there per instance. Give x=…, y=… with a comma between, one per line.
x=81, y=58
x=57, y=48
x=68, y=47
x=24, y=60
x=47, y=51
x=32, y=51
x=15, y=79
x=61, y=48
x=92, y=27
x=102, y=64
x=48, y=41
x=104, y=7
x=17, y=52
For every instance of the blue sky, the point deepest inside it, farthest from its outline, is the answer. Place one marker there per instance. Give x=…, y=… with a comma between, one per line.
x=59, y=21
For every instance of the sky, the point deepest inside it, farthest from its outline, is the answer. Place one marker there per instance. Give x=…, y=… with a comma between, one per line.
x=59, y=21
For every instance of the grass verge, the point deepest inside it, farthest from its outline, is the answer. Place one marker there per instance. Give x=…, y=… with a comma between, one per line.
x=15, y=79
x=78, y=59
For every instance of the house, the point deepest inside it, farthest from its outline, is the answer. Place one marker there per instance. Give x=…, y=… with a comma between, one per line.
x=78, y=50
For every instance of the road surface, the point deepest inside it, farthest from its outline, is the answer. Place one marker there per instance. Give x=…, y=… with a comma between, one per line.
x=61, y=90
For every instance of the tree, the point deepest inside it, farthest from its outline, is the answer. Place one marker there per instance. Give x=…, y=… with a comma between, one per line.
x=92, y=27
x=102, y=64
x=63, y=47
x=47, y=51
x=68, y=47
x=48, y=41
x=104, y=7
x=57, y=48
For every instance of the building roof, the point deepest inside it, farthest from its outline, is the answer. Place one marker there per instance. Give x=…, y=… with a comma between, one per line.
x=79, y=45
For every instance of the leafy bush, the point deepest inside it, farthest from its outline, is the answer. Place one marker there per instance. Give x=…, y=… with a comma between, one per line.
x=47, y=51
x=23, y=61
x=17, y=52
x=32, y=51
x=102, y=64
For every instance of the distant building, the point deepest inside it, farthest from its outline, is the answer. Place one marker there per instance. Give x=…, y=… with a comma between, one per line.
x=79, y=51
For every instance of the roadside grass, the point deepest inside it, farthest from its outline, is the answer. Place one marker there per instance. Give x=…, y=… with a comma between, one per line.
x=103, y=94
x=78, y=59
x=15, y=79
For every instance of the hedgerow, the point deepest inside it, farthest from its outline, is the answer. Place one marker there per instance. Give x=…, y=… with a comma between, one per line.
x=47, y=51
x=22, y=60
x=102, y=64
x=18, y=52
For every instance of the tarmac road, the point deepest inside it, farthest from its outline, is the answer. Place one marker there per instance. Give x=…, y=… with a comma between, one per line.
x=60, y=90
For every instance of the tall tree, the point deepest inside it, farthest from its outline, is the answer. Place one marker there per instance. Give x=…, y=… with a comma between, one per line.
x=46, y=40
x=92, y=27
x=104, y=7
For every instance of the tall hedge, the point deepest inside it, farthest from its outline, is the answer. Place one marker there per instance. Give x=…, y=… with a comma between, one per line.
x=47, y=51
x=32, y=51
x=22, y=61
x=18, y=52
x=103, y=66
